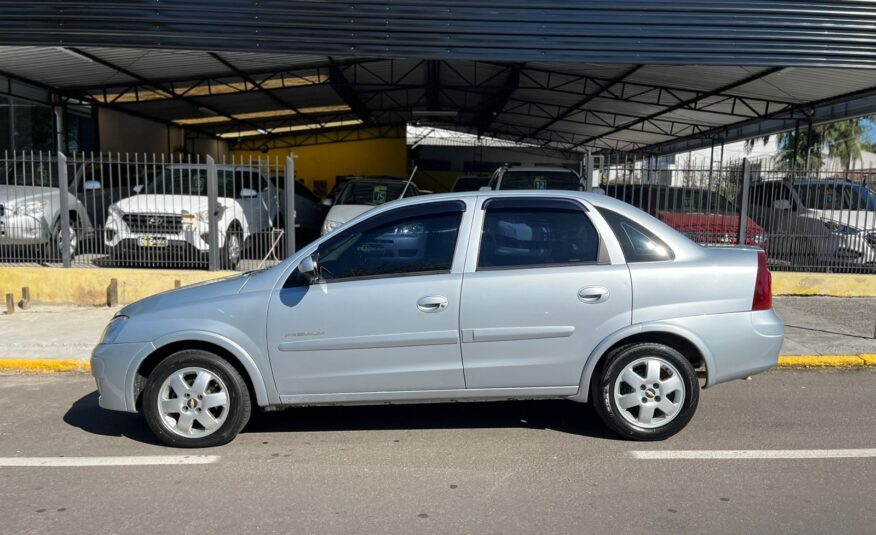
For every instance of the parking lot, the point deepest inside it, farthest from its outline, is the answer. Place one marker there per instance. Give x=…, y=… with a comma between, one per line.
x=505, y=467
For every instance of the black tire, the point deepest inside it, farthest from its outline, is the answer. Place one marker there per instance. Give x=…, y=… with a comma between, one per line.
x=228, y=260
x=53, y=248
x=239, y=405
x=603, y=384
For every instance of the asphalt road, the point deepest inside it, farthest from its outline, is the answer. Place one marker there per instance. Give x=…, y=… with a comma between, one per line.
x=509, y=467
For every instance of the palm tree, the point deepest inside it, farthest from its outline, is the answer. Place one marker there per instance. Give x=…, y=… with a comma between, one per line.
x=843, y=139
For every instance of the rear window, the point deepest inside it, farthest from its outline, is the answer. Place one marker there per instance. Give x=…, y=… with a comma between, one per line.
x=638, y=243
x=562, y=180
x=373, y=193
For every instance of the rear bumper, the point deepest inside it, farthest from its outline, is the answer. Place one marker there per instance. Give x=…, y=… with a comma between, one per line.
x=750, y=344
x=111, y=367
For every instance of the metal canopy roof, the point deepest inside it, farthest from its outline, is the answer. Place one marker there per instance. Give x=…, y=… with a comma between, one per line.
x=701, y=32
x=251, y=97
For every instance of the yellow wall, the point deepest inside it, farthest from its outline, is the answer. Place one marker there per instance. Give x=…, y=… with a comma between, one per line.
x=386, y=156
x=88, y=286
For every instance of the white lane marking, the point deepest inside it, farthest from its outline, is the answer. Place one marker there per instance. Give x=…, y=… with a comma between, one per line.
x=151, y=460
x=754, y=454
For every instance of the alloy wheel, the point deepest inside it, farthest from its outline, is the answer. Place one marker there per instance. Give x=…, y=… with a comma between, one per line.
x=649, y=392
x=193, y=402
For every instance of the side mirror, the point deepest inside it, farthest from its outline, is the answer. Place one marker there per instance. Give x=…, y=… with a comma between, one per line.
x=138, y=188
x=91, y=185
x=248, y=193
x=309, y=269
x=328, y=201
x=781, y=204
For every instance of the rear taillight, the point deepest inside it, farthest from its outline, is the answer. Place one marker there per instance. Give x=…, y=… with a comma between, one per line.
x=763, y=285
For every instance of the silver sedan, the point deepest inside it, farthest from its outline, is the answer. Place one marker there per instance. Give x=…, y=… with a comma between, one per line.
x=462, y=297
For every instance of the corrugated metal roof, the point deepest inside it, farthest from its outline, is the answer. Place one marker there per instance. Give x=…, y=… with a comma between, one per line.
x=707, y=32
x=559, y=105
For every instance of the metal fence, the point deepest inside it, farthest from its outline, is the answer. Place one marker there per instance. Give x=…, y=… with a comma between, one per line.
x=821, y=221
x=186, y=211
x=151, y=210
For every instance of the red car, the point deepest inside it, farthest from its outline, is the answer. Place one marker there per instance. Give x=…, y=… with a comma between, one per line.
x=705, y=216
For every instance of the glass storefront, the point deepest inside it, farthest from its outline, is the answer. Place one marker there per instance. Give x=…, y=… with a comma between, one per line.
x=26, y=126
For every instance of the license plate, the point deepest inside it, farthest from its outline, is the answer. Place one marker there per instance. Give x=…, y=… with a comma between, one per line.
x=152, y=241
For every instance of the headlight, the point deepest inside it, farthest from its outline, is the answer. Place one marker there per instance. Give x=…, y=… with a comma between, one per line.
x=30, y=208
x=190, y=217
x=329, y=226
x=839, y=228
x=114, y=210
x=759, y=239
x=112, y=331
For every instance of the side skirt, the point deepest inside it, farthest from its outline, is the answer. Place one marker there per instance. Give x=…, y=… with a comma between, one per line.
x=429, y=396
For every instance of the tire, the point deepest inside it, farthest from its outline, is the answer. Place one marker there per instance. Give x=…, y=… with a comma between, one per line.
x=53, y=248
x=639, y=411
x=188, y=371
x=231, y=254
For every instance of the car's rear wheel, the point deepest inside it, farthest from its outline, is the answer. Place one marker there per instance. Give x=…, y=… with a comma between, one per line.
x=646, y=391
x=56, y=241
x=232, y=252
x=195, y=399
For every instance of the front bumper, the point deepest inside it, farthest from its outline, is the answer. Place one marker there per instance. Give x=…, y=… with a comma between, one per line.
x=113, y=367
x=23, y=230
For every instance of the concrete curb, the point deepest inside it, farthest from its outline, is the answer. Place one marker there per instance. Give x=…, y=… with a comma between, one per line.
x=792, y=361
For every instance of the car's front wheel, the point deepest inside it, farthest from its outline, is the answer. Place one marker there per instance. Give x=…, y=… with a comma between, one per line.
x=195, y=399
x=646, y=391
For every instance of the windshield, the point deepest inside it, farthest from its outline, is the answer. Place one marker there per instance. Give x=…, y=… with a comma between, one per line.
x=38, y=174
x=563, y=180
x=193, y=181
x=823, y=196
x=373, y=193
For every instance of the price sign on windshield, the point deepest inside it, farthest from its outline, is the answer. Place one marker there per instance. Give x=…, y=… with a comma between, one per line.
x=379, y=194
x=539, y=182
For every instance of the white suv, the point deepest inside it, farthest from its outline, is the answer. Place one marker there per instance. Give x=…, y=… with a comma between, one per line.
x=170, y=215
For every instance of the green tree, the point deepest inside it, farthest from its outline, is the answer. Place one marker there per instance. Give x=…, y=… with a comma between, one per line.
x=844, y=139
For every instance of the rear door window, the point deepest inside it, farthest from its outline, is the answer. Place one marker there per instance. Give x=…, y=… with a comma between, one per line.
x=530, y=233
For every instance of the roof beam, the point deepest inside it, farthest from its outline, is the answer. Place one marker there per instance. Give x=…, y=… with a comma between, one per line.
x=159, y=87
x=603, y=87
x=433, y=84
x=486, y=117
x=345, y=90
x=269, y=92
x=687, y=102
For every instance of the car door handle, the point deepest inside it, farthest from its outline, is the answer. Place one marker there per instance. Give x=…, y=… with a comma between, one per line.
x=432, y=303
x=592, y=294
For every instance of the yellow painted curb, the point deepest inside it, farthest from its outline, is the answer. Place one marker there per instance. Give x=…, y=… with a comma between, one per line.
x=825, y=284
x=827, y=361
x=44, y=365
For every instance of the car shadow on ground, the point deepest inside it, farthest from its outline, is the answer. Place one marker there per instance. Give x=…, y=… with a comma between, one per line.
x=556, y=415
x=88, y=416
